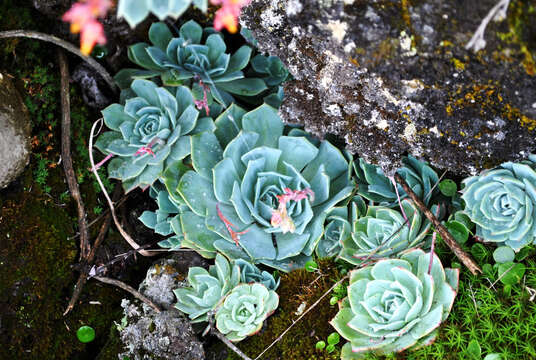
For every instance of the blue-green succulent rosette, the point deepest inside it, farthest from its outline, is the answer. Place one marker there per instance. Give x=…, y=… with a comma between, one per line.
x=149, y=133
x=197, y=58
x=502, y=204
x=241, y=171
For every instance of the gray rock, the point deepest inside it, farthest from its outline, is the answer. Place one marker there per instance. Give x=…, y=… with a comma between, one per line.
x=394, y=77
x=94, y=89
x=15, y=130
x=162, y=278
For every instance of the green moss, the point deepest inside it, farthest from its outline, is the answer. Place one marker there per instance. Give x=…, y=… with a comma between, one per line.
x=296, y=288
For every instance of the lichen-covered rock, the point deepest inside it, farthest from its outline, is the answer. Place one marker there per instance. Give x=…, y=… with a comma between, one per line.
x=394, y=77
x=14, y=132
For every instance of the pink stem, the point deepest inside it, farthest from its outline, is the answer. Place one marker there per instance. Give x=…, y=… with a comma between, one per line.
x=102, y=162
x=434, y=236
x=399, y=201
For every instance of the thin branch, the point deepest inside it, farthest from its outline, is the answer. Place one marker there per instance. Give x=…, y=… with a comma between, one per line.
x=500, y=277
x=67, y=46
x=125, y=235
x=131, y=290
x=452, y=244
x=66, y=155
x=214, y=331
x=302, y=315
x=478, y=42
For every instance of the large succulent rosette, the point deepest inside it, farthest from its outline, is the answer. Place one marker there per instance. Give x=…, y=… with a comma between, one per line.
x=383, y=233
x=395, y=304
x=242, y=171
x=502, y=203
x=244, y=310
x=150, y=132
x=375, y=186
x=197, y=58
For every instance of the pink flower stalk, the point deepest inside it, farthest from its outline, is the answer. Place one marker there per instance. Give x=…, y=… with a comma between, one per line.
x=83, y=18
x=280, y=216
x=200, y=104
x=144, y=150
x=229, y=226
x=227, y=15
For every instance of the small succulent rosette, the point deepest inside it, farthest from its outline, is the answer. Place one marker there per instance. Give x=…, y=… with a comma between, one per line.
x=258, y=194
x=207, y=288
x=149, y=133
x=249, y=273
x=135, y=11
x=197, y=58
x=375, y=186
x=383, y=233
x=395, y=304
x=502, y=204
x=244, y=310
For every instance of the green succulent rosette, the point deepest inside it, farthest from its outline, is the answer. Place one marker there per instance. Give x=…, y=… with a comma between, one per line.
x=338, y=227
x=207, y=288
x=149, y=133
x=196, y=58
x=383, y=233
x=244, y=310
x=241, y=172
x=395, y=304
x=502, y=203
x=375, y=186
x=249, y=273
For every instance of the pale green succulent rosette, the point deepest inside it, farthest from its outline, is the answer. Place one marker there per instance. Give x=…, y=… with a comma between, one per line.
x=149, y=133
x=249, y=273
x=244, y=311
x=197, y=57
x=395, y=304
x=502, y=204
x=338, y=227
x=375, y=186
x=207, y=288
x=240, y=170
x=383, y=233
x=135, y=11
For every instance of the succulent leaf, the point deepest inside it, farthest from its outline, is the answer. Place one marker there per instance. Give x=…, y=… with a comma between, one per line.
x=395, y=304
x=135, y=11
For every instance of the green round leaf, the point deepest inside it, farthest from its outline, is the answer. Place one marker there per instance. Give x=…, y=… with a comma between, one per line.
x=320, y=345
x=334, y=338
x=480, y=252
x=330, y=348
x=464, y=219
x=504, y=254
x=85, y=334
x=511, y=273
x=473, y=350
x=311, y=266
x=334, y=300
x=524, y=252
x=487, y=269
x=459, y=231
x=448, y=187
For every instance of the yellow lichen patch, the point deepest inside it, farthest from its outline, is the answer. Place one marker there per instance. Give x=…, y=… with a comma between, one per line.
x=458, y=64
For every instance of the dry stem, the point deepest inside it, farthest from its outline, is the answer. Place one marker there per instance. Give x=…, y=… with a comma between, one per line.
x=131, y=290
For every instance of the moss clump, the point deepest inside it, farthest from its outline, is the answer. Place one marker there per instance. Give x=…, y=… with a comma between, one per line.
x=296, y=288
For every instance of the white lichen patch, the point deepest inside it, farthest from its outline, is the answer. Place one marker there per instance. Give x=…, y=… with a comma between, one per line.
x=337, y=29
x=412, y=86
x=410, y=132
x=271, y=18
x=348, y=48
x=333, y=110
x=406, y=44
x=294, y=7
x=435, y=131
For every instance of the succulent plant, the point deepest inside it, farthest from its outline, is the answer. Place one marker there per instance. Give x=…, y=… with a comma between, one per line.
x=271, y=69
x=164, y=219
x=338, y=227
x=502, y=203
x=149, y=133
x=244, y=310
x=135, y=11
x=207, y=288
x=395, y=304
x=375, y=186
x=249, y=273
x=253, y=189
x=198, y=59
x=383, y=233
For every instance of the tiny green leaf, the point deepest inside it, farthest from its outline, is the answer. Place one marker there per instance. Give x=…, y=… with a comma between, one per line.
x=448, y=187
x=504, y=254
x=524, y=252
x=493, y=356
x=480, y=252
x=459, y=231
x=334, y=300
x=473, y=350
x=85, y=334
x=511, y=273
x=311, y=266
x=334, y=338
x=320, y=345
x=330, y=348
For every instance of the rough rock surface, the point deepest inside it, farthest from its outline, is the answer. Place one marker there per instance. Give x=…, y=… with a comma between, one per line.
x=393, y=77
x=166, y=335
x=14, y=132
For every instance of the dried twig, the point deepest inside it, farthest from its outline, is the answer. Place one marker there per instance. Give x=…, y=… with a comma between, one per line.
x=500, y=277
x=125, y=235
x=214, y=331
x=67, y=46
x=131, y=290
x=477, y=42
x=452, y=244
x=66, y=155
